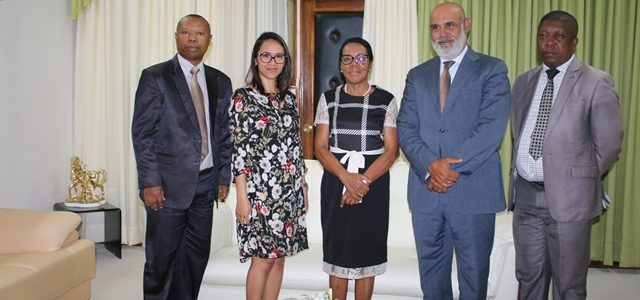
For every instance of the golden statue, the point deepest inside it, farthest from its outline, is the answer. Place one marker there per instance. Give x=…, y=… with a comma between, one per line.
x=87, y=187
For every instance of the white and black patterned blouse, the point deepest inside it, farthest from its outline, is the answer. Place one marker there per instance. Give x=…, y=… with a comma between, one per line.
x=357, y=122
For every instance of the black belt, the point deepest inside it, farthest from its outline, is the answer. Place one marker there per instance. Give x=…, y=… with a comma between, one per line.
x=205, y=171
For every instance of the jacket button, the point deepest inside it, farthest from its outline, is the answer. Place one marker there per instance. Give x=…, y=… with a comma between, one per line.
x=196, y=163
x=441, y=130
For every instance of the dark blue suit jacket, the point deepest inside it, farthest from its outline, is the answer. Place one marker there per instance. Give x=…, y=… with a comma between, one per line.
x=166, y=136
x=471, y=128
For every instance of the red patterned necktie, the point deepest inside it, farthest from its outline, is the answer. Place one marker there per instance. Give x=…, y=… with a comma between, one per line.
x=445, y=82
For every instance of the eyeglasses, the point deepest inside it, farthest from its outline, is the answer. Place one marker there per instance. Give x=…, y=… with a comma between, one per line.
x=266, y=57
x=360, y=59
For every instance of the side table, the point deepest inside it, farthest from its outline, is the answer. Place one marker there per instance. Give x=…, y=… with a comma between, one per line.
x=112, y=225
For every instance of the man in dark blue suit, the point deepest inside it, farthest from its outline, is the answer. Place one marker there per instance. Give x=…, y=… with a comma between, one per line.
x=452, y=120
x=183, y=153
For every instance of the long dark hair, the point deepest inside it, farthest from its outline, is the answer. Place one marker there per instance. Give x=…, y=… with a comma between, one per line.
x=284, y=79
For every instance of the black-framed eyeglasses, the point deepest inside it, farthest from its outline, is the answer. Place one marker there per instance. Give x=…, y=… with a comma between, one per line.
x=266, y=57
x=360, y=59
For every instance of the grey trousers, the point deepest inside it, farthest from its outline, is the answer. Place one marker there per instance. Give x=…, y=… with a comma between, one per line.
x=548, y=249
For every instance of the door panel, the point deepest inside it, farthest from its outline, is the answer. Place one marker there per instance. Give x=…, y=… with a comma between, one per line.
x=307, y=94
x=332, y=29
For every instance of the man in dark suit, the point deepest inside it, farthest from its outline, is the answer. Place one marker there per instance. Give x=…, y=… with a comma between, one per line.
x=451, y=140
x=567, y=134
x=183, y=153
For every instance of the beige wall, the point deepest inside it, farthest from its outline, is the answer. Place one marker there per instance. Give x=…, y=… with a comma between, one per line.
x=36, y=89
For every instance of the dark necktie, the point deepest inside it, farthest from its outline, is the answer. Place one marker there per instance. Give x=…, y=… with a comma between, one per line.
x=445, y=82
x=537, y=136
x=198, y=102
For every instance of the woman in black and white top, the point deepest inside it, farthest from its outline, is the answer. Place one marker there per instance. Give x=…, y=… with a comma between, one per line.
x=356, y=142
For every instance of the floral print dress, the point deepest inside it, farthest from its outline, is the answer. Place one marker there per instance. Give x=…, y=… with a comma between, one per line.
x=265, y=133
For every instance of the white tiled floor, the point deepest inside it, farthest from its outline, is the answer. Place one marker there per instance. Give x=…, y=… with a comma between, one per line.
x=122, y=278
x=118, y=278
x=613, y=284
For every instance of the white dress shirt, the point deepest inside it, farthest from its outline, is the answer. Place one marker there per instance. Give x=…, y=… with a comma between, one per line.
x=454, y=68
x=528, y=168
x=186, y=66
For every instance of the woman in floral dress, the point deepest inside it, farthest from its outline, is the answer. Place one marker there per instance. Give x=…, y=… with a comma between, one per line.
x=268, y=168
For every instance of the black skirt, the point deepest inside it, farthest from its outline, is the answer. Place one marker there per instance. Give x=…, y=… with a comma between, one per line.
x=355, y=236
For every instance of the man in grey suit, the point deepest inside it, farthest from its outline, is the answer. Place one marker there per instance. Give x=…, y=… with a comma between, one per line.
x=567, y=134
x=452, y=119
x=183, y=152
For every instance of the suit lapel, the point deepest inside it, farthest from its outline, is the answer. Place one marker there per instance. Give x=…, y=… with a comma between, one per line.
x=433, y=85
x=183, y=89
x=568, y=82
x=427, y=89
x=212, y=91
x=466, y=70
x=520, y=117
x=530, y=90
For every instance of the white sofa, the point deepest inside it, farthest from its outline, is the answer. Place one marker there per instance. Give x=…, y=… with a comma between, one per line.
x=303, y=275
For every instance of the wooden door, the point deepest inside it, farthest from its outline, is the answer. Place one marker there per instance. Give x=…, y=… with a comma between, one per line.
x=310, y=10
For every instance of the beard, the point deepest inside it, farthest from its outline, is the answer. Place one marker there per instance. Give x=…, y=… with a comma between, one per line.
x=450, y=52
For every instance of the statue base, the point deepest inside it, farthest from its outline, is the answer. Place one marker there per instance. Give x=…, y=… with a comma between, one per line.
x=85, y=205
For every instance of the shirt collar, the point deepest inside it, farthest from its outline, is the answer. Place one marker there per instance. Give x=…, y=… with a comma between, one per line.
x=186, y=66
x=460, y=56
x=563, y=67
x=457, y=59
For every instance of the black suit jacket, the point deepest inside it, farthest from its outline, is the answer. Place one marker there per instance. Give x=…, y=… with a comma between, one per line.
x=166, y=136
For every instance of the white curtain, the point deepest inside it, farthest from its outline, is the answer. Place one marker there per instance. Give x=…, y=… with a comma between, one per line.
x=115, y=40
x=391, y=29
x=235, y=25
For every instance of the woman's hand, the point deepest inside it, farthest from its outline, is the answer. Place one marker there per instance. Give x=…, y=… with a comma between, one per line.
x=243, y=206
x=355, y=183
x=349, y=199
x=355, y=196
x=243, y=209
x=305, y=187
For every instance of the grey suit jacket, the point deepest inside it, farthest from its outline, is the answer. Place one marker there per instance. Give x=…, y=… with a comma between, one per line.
x=471, y=127
x=166, y=135
x=582, y=141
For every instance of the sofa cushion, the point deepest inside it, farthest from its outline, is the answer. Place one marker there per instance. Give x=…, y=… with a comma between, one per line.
x=31, y=231
x=47, y=275
x=73, y=236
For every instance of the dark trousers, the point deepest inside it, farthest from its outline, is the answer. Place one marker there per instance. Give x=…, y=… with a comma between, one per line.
x=437, y=233
x=177, y=246
x=548, y=249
